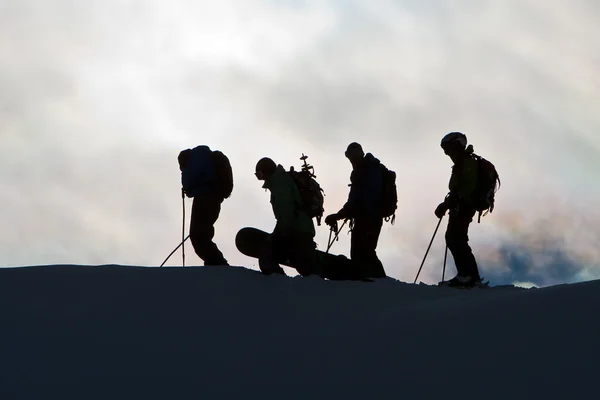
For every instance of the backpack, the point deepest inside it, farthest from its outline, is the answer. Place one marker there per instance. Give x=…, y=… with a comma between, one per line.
x=205, y=171
x=223, y=173
x=488, y=183
x=389, y=195
x=197, y=174
x=311, y=193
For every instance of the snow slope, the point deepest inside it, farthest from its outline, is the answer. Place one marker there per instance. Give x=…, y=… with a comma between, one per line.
x=209, y=332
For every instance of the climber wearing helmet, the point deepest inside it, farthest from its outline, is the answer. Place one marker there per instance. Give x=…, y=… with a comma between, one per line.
x=460, y=203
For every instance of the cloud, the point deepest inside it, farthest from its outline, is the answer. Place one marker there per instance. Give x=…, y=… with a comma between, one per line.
x=547, y=262
x=97, y=100
x=548, y=267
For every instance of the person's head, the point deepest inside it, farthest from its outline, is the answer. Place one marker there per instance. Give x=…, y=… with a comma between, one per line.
x=354, y=153
x=265, y=167
x=454, y=145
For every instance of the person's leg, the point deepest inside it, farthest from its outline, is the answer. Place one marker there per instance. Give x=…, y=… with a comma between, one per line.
x=457, y=240
x=205, y=212
x=303, y=256
x=270, y=254
x=363, y=245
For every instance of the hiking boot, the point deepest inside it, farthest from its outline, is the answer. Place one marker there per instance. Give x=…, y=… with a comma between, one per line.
x=222, y=263
x=462, y=282
x=274, y=273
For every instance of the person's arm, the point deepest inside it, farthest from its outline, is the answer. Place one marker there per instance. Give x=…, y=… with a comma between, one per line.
x=284, y=209
x=347, y=211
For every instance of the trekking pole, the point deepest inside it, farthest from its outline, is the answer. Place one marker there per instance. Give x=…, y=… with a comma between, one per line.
x=428, y=247
x=183, y=229
x=174, y=250
x=444, y=269
x=337, y=232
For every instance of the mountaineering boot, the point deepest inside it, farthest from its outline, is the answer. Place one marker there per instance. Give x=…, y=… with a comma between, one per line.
x=464, y=282
x=219, y=261
x=276, y=271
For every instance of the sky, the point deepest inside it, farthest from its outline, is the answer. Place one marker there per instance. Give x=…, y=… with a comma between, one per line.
x=97, y=98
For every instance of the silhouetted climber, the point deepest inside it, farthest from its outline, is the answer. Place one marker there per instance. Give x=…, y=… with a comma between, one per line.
x=292, y=238
x=472, y=187
x=364, y=209
x=206, y=176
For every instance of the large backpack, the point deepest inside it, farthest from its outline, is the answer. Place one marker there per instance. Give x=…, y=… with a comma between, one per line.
x=223, y=173
x=197, y=173
x=205, y=171
x=488, y=183
x=311, y=193
x=389, y=195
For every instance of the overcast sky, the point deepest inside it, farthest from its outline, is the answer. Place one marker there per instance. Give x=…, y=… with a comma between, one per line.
x=97, y=98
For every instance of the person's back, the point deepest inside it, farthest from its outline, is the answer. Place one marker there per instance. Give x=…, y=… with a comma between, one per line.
x=463, y=180
x=365, y=188
x=291, y=219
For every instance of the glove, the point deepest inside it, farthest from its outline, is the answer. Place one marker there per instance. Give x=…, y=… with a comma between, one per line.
x=331, y=219
x=441, y=210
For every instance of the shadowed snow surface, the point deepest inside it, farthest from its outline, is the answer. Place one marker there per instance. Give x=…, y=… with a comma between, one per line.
x=209, y=332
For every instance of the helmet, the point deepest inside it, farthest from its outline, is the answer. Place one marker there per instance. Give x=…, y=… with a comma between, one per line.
x=265, y=165
x=454, y=137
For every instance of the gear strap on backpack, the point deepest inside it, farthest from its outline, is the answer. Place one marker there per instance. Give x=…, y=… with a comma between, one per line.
x=389, y=195
x=311, y=193
x=488, y=183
